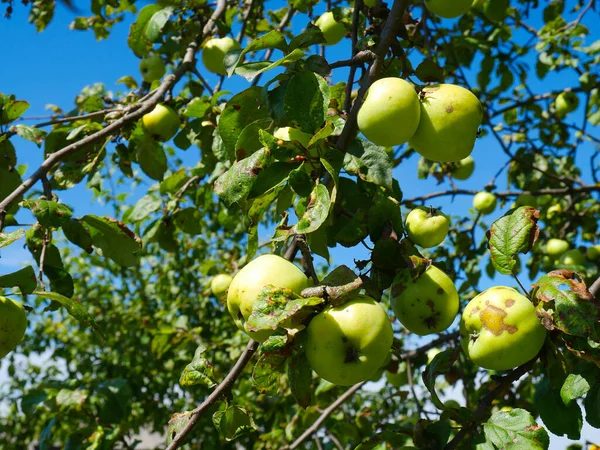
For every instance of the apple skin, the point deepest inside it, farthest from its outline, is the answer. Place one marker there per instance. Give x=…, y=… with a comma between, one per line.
x=448, y=9
x=248, y=282
x=347, y=344
x=499, y=329
x=13, y=323
x=293, y=134
x=572, y=257
x=220, y=283
x=450, y=119
x=465, y=168
x=556, y=247
x=426, y=305
x=390, y=112
x=427, y=227
x=496, y=10
x=215, y=50
x=485, y=202
x=593, y=252
x=333, y=31
x=162, y=122
x=565, y=103
x=152, y=68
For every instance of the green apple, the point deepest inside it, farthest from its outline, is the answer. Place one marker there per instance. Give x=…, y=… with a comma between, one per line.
x=427, y=227
x=250, y=281
x=499, y=329
x=432, y=353
x=450, y=119
x=448, y=9
x=525, y=200
x=332, y=30
x=347, y=344
x=496, y=10
x=485, y=202
x=565, y=103
x=556, y=247
x=390, y=112
x=13, y=322
x=293, y=134
x=593, y=252
x=162, y=122
x=426, y=305
x=215, y=50
x=152, y=68
x=572, y=258
x=464, y=168
x=552, y=210
x=220, y=283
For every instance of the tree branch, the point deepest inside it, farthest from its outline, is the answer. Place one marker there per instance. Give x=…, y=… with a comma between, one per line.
x=595, y=288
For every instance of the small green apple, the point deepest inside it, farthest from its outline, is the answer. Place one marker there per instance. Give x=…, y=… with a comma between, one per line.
x=464, y=168
x=332, y=30
x=162, y=122
x=220, y=283
x=565, y=103
x=13, y=322
x=572, y=257
x=390, y=112
x=499, y=329
x=152, y=68
x=552, y=210
x=427, y=227
x=293, y=134
x=525, y=200
x=249, y=282
x=426, y=305
x=215, y=50
x=485, y=202
x=496, y=10
x=450, y=119
x=347, y=344
x=448, y=9
x=556, y=247
x=593, y=252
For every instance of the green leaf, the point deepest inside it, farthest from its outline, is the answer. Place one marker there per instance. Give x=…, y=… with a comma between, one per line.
x=199, y=371
x=272, y=39
x=592, y=406
x=190, y=221
x=197, y=107
x=316, y=213
x=144, y=207
x=269, y=368
x=306, y=101
x=384, y=210
x=48, y=213
x=76, y=233
x=11, y=109
x=46, y=440
x=24, y=279
x=30, y=133
x=8, y=156
x=441, y=363
x=71, y=400
x=74, y=308
x=560, y=419
x=173, y=182
x=300, y=376
x=9, y=181
x=8, y=238
x=236, y=184
x=251, y=70
x=233, y=422
x=515, y=429
x=154, y=28
x=137, y=40
x=117, y=241
x=574, y=387
x=370, y=162
x=514, y=233
x=178, y=422
x=151, y=158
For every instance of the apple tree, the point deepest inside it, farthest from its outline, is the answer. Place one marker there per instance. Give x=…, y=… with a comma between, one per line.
x=258, y=142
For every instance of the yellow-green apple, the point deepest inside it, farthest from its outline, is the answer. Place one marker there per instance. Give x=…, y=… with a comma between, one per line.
x=427, y=227
x=432, y=353
x=152, y=68
x=565, y=103
x=251, y=280
x=215, y=50
x=425, y=305
x=13, y=322
x=347, y=344
x=293, y=134
x=593, y=252
x=556, y=247
x=390, y=112
x=499, y=329
x=496, y=10
x=485, y=202
x=162, y=122
x=464, y=168
x=332, y=30
x=220, y=283
x=450, y=119
x=448, y=9
x=572, y=258
x=553, y=210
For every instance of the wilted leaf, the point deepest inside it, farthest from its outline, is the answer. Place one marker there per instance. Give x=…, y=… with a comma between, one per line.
x=199, y=371
x=233, y=422
x=269, y=368
x=49, y=214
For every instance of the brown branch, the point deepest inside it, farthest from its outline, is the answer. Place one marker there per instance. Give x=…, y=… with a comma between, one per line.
x=533, y=99
x=361, y=57
x=354, y=36
x=595, y=288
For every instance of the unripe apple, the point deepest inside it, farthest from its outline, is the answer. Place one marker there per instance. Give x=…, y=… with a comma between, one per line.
x=427, y=227
x=464, y=168
x=499, y=329
x=450, y=119
x=426, y=305
x=390, y=112
x=593, y=252
x=215, y=50
x=496, y=10
x=152, y=68
x=220, y=283
x=347, y=344
x=448, y=8
x=332, y=30
x=552, y=210
x=293, y=134
x=484, y=202
x=432, y=353
x=565, y=103
x=250, y=281
x=162, y=122
x=556, y=247
x=572, y=258
x=13, y=322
